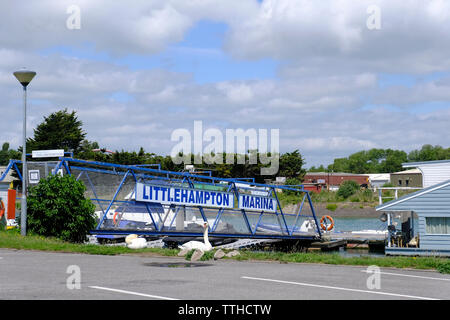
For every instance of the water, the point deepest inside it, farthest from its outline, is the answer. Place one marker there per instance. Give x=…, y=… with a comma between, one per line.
x=358, y=224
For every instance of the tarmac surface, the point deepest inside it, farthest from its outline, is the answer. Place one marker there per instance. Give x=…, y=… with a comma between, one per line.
x=34, y=275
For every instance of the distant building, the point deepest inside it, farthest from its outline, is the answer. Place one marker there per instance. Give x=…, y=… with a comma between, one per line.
x=5, y=179
x=407, y=178
x=333, y=180
x=433, y=172
x=377, y=180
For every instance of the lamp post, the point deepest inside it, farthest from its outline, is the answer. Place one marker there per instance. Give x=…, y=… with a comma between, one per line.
x=24, y=77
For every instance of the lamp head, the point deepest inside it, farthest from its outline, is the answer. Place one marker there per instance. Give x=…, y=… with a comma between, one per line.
x=24, y=76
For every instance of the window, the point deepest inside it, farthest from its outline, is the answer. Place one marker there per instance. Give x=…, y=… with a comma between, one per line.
x=399, y=182
x=406, y=182
x=438, y=225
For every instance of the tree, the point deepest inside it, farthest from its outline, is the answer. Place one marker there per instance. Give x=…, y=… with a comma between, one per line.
x=58, y=208
x=291, y=165
x=348, y=188
x=6, y=154
x=60, y=130
x=429, y=153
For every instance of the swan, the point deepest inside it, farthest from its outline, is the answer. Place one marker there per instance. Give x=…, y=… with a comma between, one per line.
x=138, y=243
x=203, y=246
x=130, y=237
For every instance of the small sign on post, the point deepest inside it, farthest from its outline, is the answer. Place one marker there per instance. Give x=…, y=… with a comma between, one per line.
x=34, y=176
x=47, y=153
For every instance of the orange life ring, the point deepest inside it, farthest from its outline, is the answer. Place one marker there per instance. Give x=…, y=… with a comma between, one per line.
x=2, y=208
x=114, y=217
x=323, y=226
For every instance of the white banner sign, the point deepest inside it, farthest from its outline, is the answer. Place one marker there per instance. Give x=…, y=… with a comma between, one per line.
x=183, y=196
x=47, y=153
x=255, y=203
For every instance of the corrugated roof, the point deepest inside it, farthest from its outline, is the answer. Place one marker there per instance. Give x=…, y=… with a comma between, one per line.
x=410, y=171
x=413, y=195
x=420, y=163
x=379, y=176
x=337, y=174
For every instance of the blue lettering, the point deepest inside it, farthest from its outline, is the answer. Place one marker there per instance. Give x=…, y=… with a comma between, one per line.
x=198, y=197
x=245, y=201
x=177, y=195
x=226, y=199
x=212, y=196
x=207, y=196
x=163, y=193
x=219, y=198
x=156, y=192
x=191, y=196
x=184, y=195
x=257, y=201
x=265, y=201
x=144, y=196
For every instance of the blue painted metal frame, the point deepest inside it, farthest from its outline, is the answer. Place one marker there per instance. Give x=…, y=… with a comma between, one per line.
x=144, y=172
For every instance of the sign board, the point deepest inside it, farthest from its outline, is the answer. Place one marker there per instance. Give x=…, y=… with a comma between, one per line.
x=256, y=203
x=34, y=176
x=183, y=196
x=47, y=153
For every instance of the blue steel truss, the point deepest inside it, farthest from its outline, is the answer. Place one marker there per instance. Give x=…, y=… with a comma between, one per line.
x=139, y=173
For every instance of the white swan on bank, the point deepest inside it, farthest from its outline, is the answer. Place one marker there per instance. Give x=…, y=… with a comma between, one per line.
x=138, y=243
x=203, y=246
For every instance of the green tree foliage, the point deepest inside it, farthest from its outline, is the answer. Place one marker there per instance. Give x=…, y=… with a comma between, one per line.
x=292, y=182
x=60, y=130
x=291, y=165
x=371, y=161
x=6, y=154
x=429, y=153
x=320, y=168
x=58, y=208
x=348, y=188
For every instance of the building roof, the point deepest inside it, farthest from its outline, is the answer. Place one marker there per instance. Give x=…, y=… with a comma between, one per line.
x=421, y=163
x=336, y=174
x=8, y=178
x=411, y=196
x=409, y=171
x=379, y=176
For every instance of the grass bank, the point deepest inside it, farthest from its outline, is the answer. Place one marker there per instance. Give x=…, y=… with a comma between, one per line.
x=440, y=264
x=13, y=240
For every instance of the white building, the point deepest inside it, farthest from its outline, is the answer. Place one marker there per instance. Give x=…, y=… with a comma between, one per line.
x=377, y=180
x=433, y=172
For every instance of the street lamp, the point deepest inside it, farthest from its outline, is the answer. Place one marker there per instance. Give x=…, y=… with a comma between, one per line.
x=24, y=77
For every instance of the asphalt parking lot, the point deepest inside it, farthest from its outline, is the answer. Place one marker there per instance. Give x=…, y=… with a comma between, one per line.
x=34, y=275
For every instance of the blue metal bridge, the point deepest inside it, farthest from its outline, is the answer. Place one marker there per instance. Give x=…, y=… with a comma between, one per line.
x=121, y=211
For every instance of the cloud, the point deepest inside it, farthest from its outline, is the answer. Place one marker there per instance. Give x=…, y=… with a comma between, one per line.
x=329, y=72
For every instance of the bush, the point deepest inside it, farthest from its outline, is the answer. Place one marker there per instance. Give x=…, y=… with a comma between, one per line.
x=367, y=195
x=57, y=208
x=332, y=206
x=444, y=267
x=348, y=188
x=291, y=182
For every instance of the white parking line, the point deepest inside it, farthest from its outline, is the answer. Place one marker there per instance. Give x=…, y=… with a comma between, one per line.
x=340, y=288
x=132, y=293
x=409, y=275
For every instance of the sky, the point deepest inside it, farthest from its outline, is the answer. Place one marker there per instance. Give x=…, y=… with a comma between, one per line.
x=319, y=71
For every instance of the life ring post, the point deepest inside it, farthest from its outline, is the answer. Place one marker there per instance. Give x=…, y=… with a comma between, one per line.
x=324, y=224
